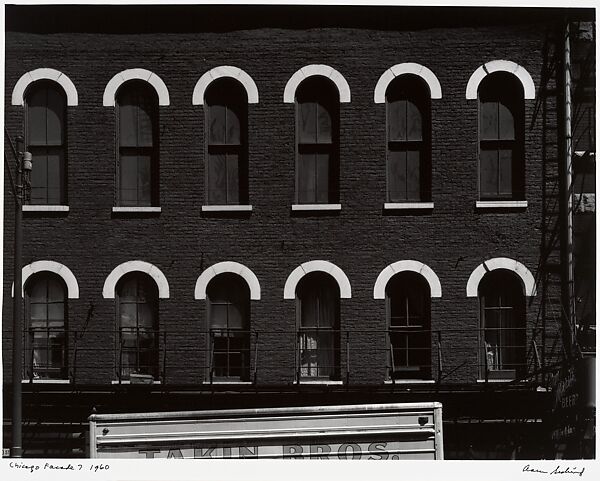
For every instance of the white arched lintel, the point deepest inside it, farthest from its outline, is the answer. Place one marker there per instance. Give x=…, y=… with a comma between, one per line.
x=18, y=94
x=230, y=267
x=50, y=266
x=225, y=71
x=332, y=74
x=501, y=263
x=110, y=91
x=390, y=74
x=407, y=265
x=110, y=284
x=501, y=66
x=289, y=290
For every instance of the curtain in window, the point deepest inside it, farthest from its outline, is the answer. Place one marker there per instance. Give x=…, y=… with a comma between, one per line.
x=47, y=341
x=229, y=321
x=501, y=170
x=138, y=114
x=318, y=297
x=317, y=106
x=226, y=124
x=45, y=132
x=138, y=326
x=408, y=144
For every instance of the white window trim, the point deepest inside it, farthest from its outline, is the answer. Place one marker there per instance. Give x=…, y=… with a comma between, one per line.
x=220, y=72
x=435, y=89
x=289, y=290
x=227, y=208
x=136, y=209
x=232, y=382
x=116, y=381
x=307, y=380
x=18, y=94
x=409, y=381
x=45, y=208
x=289, y=94
x=402, y=266
x=46, y=381
x=227, y=267
x=501, y=263
x=407, y=205
x=316, y=207
x=50, y=266
x=109, y=97
x=500, y=66
x=110, y=284
x=501, y=204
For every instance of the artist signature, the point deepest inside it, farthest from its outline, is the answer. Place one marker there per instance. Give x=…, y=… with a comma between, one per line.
x=558, y=470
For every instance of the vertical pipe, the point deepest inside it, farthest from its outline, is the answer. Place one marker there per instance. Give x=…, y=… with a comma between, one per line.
x=17, y=359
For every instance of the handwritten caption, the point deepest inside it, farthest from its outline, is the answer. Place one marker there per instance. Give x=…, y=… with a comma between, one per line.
x=35, y=467
x=557, y=470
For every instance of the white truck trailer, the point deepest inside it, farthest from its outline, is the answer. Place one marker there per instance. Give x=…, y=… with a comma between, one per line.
x=366, y=431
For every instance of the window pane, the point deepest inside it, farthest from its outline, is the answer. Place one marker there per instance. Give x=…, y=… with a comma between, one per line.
x=233, y=126
x=307, y=122
x=488, y=172
x=127, y=124
x=306, y=178
x=128, y=179
x=144, y=165
x=489, y=120
x=414, y=122
x=218, y=316
x=217, y=179
x=397, y=176
x=322, y=166
x=56, y=311
x=146, y=315
x=38, y=312
x=506, y=122
x=233, y=187
x=55, y=117
x=397, y=120
x=324, y=125
x=413, y=175
x=128, y=314
x=36, y=117
x=55, y=176
x=144, y=120
x=217, y=124
x=505, y=171
x=235, y=316
x=39, y=176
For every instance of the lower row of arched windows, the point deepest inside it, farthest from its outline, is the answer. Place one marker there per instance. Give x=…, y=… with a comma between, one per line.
x=502, y=335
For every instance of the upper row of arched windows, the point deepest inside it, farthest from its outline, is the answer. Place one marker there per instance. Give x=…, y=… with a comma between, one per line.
x=317, y=90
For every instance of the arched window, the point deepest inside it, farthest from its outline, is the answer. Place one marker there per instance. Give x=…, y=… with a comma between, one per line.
x=46, y=314
x=226, y=143
x=46, y=114
x=229, y=324
x=501, y=138
x=317, y=133
x=137, y=184
x=408, y=140
x=318, y=311
x=137, y=318
x=502, y=319
x=409, y=319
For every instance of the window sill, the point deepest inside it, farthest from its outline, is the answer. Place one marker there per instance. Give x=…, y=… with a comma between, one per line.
x=225, y=383
x=136, y=209
x=409, y=381
x=46, y=381
x=507, y=379
x=316, y=207
x=45, y=208
x=321, y=381
x=407, y=205
x=134, y=383
x=226, y=208
x=501, y=204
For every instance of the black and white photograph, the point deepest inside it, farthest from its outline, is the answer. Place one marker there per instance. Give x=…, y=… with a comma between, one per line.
x=298, y=231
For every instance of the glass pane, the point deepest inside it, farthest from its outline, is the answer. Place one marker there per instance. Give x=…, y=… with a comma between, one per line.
x=128, y=291
x=306, y=178
x=144, y=164
x=144, y=121
x=488, y=170
x=307, y=122
x=37, y=112
x=397, y=176
x=324, y=127
x=309, y=309
x=322, y=166
x=128, y=180
x=128, y=314
x=506, y=122
x=55, y=117
x=397, y=120
x=217, y=179
x=233, y=179
x=38, y=312
x=218, y=316
x=413, y=175
x=56, y=311
x=146, y=316
x=233, y=127
x=55, y=176
x=235, y=316
x=217, y=124
x=414, y=122
x=127, y=124
x=325, y=353
x=505, y=171
x=489, y=120
x=39, y=177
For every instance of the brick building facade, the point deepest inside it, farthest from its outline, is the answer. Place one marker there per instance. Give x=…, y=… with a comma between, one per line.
x=350, y=254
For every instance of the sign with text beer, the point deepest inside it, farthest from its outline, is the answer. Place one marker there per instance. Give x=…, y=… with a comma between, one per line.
x=367, y=431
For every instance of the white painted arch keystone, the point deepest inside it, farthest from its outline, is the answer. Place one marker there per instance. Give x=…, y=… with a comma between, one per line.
x=289, y=93
x=403, y=266
x=18, y=94
x=119, y=79
x=501, y=66
x=391, y=73
x=110, y=284
x=227, y=267
x=289, y=290
x=220, y=72
x=501, y=263
x=50, y=266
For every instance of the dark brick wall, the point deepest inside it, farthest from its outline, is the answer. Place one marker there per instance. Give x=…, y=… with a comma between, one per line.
x=453, y=239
